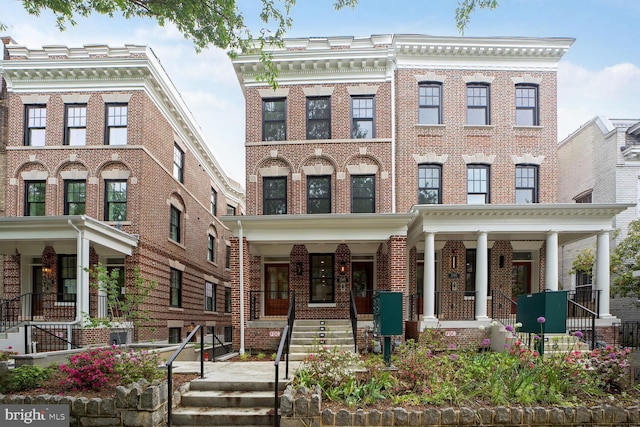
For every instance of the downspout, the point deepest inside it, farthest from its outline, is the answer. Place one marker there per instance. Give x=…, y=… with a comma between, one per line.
x=240, y=272
x=80, y=286
x=393, y=136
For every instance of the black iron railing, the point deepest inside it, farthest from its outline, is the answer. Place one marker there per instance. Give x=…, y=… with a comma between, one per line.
x=413, y=307
x=269, y=303
x=53, y=337
x=586, y=297
x=584, y=321
x=285, y=340
x=353, y=315
x=30, y=307
x=630, y=335
x=455, y=305
x=503, y=308
x=169, y=365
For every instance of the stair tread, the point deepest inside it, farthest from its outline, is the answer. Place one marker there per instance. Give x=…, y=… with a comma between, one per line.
x=225, y=393
x=212, y=410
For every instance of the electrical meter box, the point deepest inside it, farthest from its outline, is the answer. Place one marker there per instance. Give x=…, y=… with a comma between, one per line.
x=387, y=313
x=551, y=305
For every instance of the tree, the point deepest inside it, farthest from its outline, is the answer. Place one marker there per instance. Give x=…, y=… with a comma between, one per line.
x=625, y=259
x=213, y=22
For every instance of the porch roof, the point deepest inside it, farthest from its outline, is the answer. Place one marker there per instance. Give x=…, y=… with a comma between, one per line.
x=30, y=235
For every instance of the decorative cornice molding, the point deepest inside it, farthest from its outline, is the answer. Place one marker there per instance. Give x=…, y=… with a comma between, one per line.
x=527, y=158
x=430, y=158
x=479, y=158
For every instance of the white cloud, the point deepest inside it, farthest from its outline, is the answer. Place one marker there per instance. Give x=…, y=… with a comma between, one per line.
x=583, y=94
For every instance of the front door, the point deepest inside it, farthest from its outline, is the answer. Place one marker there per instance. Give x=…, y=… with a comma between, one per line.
x=276, y=288
x=363, y=286
x=37, y=291
x=520, y=279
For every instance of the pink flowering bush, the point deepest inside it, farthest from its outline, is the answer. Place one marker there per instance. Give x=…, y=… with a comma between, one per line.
x=328, y=368
x=611, y=367
x=7, y=354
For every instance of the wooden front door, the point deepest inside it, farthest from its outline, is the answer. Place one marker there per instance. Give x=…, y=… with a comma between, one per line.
x=276, y=289
x=37, y=291
x=363, y=286
x=520, y=279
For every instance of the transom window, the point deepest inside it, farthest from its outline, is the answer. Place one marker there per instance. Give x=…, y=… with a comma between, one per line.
x=274, y=124
x=430, y=103
x=321, y=278
x=115, y=204
x=274, y=191
x=527, y=105
x=35, y=125
x=362, y=115
x=75, y=196
x=526, y=184
x=34, y=198
x=363, y=193
x=117, y=121
x=174, y=224
x=318, y=194
x=319, y=118
x=75, y=131
x=175, y=279
x=429, y=184
x=478, y=104
x=178, y=163
x=477, y=184
x=68, y=274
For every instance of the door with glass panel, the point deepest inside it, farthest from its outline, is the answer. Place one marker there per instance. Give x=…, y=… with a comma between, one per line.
x=520, y=280
x=363, y=286
x=276, y=288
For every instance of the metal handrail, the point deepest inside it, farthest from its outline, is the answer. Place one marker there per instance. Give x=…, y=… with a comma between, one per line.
x=353, y=315
x=590, y=317
x=503, y=307
x=169, y=365
x=285, y=341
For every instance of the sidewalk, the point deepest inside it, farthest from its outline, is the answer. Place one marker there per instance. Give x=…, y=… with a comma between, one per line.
x=237, y=371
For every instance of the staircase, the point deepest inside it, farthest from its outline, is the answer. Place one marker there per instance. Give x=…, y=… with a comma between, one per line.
x=240, y=401
x=309, y=335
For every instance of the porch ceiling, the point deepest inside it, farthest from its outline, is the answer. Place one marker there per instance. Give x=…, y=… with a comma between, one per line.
x=29, y=235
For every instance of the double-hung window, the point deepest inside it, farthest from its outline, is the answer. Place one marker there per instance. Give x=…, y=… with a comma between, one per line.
x=319, y=117
x=68, y=274
x=429, y=184
x=211, y=248
x=430, y=103
x=274, y=191
x=115, y=200
x=274, y=124
x=319, y=194
x=175, y=285
x=477, y=184
x=75, y=196
x=527, y=105
x=35, y=125
x=362, y=117
x=526, y=184
x=75, y=130
x=478, y=104
x=34, y=198
x=178, y=163
x=227, y=262
x=174, y=224
x=363, y=194
x=116, y=124
x=210, y=296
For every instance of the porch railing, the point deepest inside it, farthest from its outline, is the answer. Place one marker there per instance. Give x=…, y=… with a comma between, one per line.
x=455, y=305
x=583, y=296
x=283, y=347
x=269, y=303
x=52, y=337
x=583, y=320
x=503, y=308
x=36, y=306
x=353, y=316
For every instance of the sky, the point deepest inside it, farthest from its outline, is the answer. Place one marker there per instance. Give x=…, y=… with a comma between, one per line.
x=599, y=75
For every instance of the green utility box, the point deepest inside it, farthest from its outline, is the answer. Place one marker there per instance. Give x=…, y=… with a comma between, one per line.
x=550, y=305
x=387, y=313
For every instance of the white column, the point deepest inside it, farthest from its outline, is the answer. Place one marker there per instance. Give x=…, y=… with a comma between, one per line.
x=482, y=279
x=551, y=277
x=82, y=284
x=602, y=272
x=429, y=279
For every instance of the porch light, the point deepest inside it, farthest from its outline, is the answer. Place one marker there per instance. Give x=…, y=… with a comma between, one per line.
x=343, y=268
x=299, y=268
x=46, y=270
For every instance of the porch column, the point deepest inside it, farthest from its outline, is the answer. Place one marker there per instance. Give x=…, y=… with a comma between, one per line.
x=82, y=286
x=482, y=279
x=429, y=279
x=551, y=268
x=602, y=272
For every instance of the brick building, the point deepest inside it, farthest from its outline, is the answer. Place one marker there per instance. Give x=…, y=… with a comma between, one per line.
x=105, y=163
x=417, y=164
x=608, y=172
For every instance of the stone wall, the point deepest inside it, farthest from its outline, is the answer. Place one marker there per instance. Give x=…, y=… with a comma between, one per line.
x=304, y=408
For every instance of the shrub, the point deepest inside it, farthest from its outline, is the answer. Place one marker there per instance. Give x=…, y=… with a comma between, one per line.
x=328, y=368
x=25, y=377
x=90, y=369
x=135, y=365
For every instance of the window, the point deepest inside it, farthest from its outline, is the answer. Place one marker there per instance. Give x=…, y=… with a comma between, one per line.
x=34, y=198
x=429, y=184
x=68, y=273
x=231, y=210
x=227, y=300
x=430, y=103
x=175, y=279
x=471, y=269
x=585, y=198
x=178, y=163
x=115, y=266
x=116, y=128
x=210, y=296
x=274, y=125
x=527, y=105
x=526, y=184
x=211, y=248
x=477, y=184
x=174, y=224
x=175, y=335
x=227, y=263
x=35, y=124
x=75, y=130
x=319, y=118
x=363, y=194
x=321, y=277
x=584, y=278
x=274, y=194
x=75, y=195
x=362, y=108
x=214, y=202
x=318, y=194
x=478, y=104
x=115, y=203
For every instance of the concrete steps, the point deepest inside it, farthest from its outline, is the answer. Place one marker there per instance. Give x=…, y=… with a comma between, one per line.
x=309, y=336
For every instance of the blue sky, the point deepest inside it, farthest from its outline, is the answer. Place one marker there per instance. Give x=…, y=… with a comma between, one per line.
x=600, y=75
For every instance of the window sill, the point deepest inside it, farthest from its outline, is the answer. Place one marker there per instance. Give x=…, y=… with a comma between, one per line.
x=526, y=127
x=488, y=127
x=115, y=223
x=180, y=309
x=321, y=305
x=431, y=125
x=215, y=264
x=177, y=243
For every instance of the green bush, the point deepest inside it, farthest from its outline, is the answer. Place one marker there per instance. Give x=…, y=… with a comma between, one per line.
x=24, y=378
